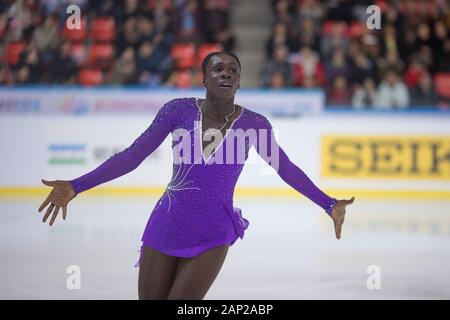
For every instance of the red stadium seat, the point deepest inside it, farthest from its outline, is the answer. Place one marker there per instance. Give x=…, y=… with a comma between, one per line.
x=418, y=7
x=167, y=4
x=103, y=29
x=100, y=55
x=382, y=4
x=329, y=26
x=356, y=29
x=205, y=49
x=442, y=83
x=76, y=35
x=13, y=51
x=184, y=79
x=90, y=77
x=183, y=55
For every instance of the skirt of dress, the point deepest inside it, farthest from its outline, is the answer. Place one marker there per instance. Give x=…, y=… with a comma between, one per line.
x=239, y=225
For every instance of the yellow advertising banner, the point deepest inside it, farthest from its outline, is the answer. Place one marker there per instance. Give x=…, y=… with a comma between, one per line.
x=385, y=156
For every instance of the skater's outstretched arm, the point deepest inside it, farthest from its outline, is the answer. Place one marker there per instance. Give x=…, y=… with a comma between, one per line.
x=130, y=158
x=114, y=167
x=269, y=149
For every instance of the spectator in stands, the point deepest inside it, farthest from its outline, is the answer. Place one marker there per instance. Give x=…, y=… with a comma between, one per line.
x=392, y=93
x=278, y=63
x=46, y=39
x=131, y=9
x=146, y=58
x=225, y=38
x=393, y=16
x=108, y=8
x=361, y=68
x=415, y=70
x=23, y=75
x=45, y=36
x=389, y=40
x=146, y=28
x=19, y=19
x=339, y=94
x=335, y=40
x=423, y=35
x=312, y=11
x=279, y=37
x=6, y=76
x=409, y=37
x=124, y=69
x=215, y=18
x=364, y=96
x=277, y=80
x=425, y=56
x=441, y=47
x=64, y=66
x=391, y=61
x=371, y=46
x=424, y=94
x=30, y=58
x=337, y=64
x=306, y=37
x=309, y=82
x=187, y=23
x=284, y=11
x=354, y=48
x=129, y=36
x=149, y=79
x=162, y=17
x=409, y=43
x=306, y=63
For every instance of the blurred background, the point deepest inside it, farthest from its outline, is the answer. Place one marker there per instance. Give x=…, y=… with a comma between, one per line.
x=364, y=112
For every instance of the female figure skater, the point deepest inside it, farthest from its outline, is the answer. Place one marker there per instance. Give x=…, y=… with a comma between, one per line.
x=194, y=222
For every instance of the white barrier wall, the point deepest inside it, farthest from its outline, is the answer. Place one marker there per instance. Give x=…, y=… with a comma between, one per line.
x=77, y=101
x=350, y=151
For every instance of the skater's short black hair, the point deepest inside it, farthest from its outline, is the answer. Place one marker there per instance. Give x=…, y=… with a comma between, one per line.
x=211, y=54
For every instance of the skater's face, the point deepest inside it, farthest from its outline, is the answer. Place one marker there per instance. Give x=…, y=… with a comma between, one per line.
x=222, y=75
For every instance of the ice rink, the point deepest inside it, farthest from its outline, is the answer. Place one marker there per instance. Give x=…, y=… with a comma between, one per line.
x=289, y=250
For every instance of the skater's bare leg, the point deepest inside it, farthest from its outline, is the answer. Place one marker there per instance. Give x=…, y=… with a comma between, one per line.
x=156, y=274
x=194, y=276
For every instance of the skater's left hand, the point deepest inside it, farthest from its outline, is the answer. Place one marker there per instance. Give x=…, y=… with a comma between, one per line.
x=338, y=215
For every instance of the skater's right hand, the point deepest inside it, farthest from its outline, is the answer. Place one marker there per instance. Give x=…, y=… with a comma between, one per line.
x=58, y=198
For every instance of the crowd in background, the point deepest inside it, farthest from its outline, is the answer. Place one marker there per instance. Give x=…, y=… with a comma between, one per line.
x=313, y=44
x=327, y=44
x=146, y=42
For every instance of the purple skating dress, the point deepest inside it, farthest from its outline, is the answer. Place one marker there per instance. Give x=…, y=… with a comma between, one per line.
x=196, y=212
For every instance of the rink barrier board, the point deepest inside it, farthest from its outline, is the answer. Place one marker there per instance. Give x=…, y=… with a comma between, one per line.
x=240, y=192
